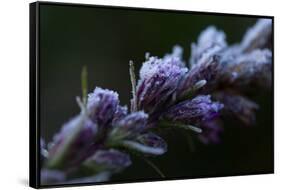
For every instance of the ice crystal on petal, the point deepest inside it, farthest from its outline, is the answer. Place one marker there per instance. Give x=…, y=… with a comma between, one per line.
x=258, y=36
x=134, y=122
x=175, y=57
x=158, y=80
x=119, y=114
x=102, y=104
x=194, y=111
x=207, y=71
x=254, y=67
x=210, y=42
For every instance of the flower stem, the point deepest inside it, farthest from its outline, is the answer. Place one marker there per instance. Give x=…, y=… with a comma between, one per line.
x=133, y=82
x=84, y=84
x=152, y=165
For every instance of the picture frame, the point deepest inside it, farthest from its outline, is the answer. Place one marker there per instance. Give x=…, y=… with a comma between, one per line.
x=39, y=103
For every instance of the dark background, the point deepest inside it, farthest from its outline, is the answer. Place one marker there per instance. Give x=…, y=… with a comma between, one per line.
x=105, y=39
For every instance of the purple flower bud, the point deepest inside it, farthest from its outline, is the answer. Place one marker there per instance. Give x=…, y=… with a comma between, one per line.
x=249, y=68
x=110, y=159
x=102, y=104
x=210, y=42
x=52, y=177
x=158, y=80
x=207, y=71
x=134, y=122
x=147, y=143
x=79, y=143
x=241, y=107
x=211, y=131
x=175, y=57
x=119, y=114
x=194, y=111
x=257, y=37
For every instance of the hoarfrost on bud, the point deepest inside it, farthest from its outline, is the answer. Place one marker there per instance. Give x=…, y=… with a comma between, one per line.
x=194, y=111
x=250, y=68
x=210, y=42
x=207, y=71
x=134, y=122
x=102, y=104
x=119, y=114
x=175, y=57
x=258, y=36
x=158, y=80
x=129, y=127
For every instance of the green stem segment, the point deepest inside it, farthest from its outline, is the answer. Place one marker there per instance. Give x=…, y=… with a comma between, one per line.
x=133, y=82
x=84, y=84
x=152, y=165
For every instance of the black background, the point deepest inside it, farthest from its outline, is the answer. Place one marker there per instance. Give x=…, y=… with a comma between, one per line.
x=105, y=40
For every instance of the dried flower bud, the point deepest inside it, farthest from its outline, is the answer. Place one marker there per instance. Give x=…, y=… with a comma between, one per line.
x=147, y=143
x=194, y=111
x=158, y=80
x=258, y=36
x=109, y=159
x=102, y=105
x=241, y=107
x=210, y=42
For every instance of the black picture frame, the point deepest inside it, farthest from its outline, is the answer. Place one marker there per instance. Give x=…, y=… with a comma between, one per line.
x=34, y=93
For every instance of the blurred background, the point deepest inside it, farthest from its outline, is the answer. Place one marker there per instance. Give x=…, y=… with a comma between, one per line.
x=104, y=40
